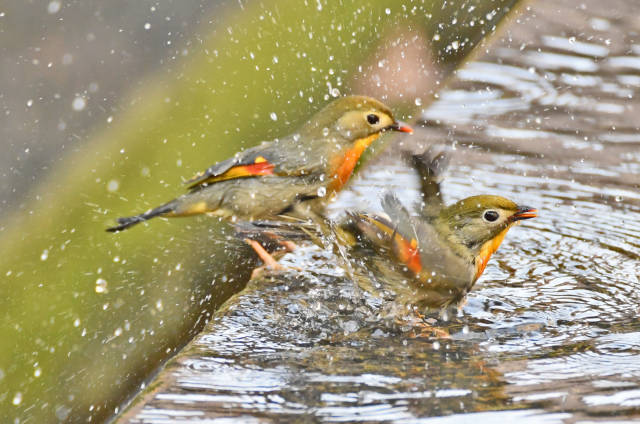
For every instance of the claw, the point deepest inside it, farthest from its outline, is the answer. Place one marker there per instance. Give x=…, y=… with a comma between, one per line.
x=269, y=262
x=424, y=330
x=427, y=331
x=263, y=254
x=289, y=246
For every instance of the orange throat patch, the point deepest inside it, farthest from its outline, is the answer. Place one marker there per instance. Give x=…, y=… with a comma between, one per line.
x=343, y=166
x=488, y=249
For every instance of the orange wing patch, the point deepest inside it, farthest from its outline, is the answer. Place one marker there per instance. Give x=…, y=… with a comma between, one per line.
x=241, y=171
x=406, y=251
x=408, y=254
x=259, y=167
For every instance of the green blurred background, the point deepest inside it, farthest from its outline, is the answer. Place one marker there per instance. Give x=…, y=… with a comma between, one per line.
x=88, y=316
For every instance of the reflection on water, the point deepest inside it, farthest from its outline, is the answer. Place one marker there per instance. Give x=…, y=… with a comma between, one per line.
x=550, y=334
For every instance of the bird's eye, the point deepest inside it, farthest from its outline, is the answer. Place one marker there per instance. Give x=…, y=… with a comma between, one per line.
x=491, y=216
x=373, y=119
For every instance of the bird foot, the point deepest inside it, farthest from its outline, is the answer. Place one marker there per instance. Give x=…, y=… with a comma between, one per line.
x=426, y=330
x=264, y=256
x=270, y=263
x=289, y=246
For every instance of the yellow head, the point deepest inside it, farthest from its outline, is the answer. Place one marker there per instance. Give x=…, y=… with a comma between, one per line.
x=353, y=118
x=477, y=225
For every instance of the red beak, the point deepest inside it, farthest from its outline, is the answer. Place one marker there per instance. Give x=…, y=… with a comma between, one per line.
x=401, y=127
x=524, y=212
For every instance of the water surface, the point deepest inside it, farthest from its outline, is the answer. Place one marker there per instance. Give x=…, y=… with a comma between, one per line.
x=550, y=334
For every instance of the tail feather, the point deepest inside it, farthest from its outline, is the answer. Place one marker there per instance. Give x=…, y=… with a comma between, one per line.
x=129, y=221
x=430, y=166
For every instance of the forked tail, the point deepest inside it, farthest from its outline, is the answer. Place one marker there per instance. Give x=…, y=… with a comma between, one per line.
x=129, y=221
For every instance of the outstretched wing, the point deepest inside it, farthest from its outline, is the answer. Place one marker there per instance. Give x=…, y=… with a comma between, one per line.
x=430, y=166
x=394, y=234
x=415, y=244
x=253, y=162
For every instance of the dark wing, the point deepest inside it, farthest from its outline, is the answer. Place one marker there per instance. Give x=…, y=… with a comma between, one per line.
x=416, y=244
x=396, y=234
x=398, y=214
x=257, y=161
x=430, y=166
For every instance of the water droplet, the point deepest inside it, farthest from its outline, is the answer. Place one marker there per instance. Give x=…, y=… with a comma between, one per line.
x=418, y=101
x=147, y=25
x=273, y=116
x=17, y=399
x=45, y=255
x=387, y=11
x=37, y=372
x=113, y=185
x=54, y=7
x=78, y=104
x=76, y=322
x=101, y=286
x=322, y=191
x=29, y=102
x=325, y=131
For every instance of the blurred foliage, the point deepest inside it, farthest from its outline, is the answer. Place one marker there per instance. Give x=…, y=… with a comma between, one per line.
x=86, y=315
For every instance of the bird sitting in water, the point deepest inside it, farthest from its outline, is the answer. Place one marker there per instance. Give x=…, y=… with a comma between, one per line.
x=432, y=260
x=437, y=260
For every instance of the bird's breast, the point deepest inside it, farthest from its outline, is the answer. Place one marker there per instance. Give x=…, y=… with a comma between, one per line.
x=488, y=249
x=342, y=166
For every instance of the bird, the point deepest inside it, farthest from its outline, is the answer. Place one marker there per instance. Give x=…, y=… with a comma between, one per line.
x=426, y=260
x=306, y=167
x=433, y=262
x=419, y=262
x=430, y=259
